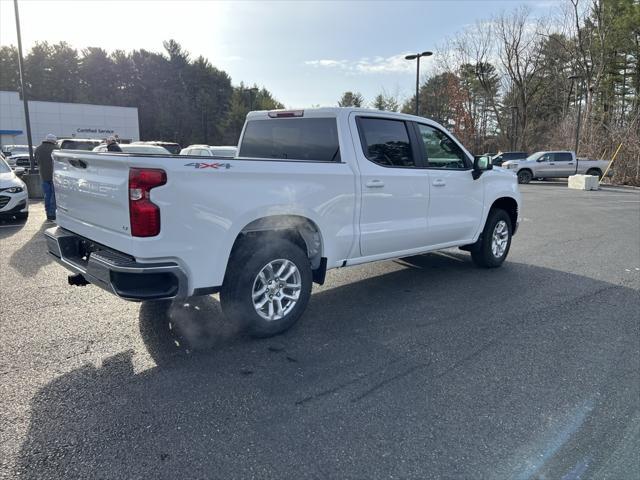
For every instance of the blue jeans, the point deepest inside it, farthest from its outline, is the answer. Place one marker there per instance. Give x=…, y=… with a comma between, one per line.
x=49, y=199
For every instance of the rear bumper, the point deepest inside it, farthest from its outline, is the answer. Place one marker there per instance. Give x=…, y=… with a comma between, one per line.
x=115, y=271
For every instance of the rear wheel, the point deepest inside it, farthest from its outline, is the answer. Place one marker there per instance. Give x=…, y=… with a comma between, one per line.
x=492, y=248
x=267, y=288
x=595, y=172
x=524, y=176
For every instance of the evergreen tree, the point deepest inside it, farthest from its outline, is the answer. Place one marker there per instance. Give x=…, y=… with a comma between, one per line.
x=351, y=99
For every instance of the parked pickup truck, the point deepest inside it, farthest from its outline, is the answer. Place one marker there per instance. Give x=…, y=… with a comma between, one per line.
x=554, y=165
x=309, y=191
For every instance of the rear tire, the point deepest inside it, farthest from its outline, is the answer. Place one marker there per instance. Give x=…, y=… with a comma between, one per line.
x=524, y=176
x=491, y=250
x=595, y=172
x=267, y=286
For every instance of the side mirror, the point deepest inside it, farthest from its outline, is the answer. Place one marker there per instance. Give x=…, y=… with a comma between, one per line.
x=541, y=159
x=19, y=171
x=481, y=164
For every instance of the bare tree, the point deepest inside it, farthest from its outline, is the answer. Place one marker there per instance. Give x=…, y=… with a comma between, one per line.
x=520, y=58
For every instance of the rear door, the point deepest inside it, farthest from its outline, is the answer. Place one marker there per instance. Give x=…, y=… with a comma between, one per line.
x=565, y=165
x=395, y=187
x=456, y=199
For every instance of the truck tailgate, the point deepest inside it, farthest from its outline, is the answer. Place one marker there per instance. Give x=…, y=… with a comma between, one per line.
x=93, y=189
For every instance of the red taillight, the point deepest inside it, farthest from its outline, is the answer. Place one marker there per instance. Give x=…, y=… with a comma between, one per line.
x=285, y=113
x=144, y=214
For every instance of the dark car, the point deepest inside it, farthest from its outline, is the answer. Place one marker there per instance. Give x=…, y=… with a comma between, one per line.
x=504, y=156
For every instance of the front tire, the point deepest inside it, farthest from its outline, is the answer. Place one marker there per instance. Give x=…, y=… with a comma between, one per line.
x=524, y=176
x=267, y=286
x=493, y=247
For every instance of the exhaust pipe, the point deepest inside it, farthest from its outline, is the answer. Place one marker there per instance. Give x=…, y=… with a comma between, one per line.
x=77, y=280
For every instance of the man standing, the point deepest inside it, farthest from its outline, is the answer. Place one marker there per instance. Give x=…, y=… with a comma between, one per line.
x=45, y=165
x=112, y=145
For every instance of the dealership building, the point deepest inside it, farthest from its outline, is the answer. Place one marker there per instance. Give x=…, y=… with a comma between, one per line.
x=65, y=120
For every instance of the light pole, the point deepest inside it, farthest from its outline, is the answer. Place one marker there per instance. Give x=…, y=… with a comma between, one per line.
x=251, y=92
x=579, y=104
x=417, y=58
x=514, y=128
x=24, y=91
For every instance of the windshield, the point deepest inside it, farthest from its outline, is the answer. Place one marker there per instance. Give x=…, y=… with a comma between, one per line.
x=18, y=149
x=535, y=156
x=4, y=168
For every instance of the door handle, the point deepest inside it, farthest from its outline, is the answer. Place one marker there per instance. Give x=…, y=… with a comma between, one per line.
x=552, y=164
x=375, y=183
x=570, y=163
x=439, y=183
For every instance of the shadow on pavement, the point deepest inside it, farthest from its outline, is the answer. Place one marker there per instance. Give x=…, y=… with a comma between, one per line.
x=10, y=226
x=172, y=329
x=436, y=370
x=33, y=254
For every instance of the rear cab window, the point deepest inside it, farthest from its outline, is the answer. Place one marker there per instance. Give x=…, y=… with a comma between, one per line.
x=563, y=157
x=310, y=139
x=386, y=142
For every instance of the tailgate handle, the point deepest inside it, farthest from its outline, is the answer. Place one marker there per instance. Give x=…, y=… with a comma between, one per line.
x=77, y=163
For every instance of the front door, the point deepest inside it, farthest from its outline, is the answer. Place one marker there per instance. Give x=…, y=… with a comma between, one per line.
x=456, y=199
x=395, y=190
x=545, y=166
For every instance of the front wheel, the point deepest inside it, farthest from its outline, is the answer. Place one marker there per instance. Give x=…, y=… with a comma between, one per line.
x=524, y=176
x=267, y=288
x=492, y=248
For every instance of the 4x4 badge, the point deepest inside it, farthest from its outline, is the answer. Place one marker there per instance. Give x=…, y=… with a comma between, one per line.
x=215, y=165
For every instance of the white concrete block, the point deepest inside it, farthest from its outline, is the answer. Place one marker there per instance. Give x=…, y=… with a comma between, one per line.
x=584, y=182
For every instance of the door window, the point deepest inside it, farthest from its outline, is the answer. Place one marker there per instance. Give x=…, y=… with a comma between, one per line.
x=563, y=157
x=386, y=142
x=440, y=151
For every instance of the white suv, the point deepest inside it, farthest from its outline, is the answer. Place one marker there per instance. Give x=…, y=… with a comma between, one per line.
x=13, y=193
x=209, y=151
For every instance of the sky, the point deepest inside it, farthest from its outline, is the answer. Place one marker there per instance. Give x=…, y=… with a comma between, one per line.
x=305, y=52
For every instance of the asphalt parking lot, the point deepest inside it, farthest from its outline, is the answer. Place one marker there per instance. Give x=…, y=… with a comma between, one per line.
x=421, y=368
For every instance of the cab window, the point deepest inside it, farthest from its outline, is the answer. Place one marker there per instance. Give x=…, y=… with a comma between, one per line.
x=563, y=157
x=440, y=151
x=308, y=139
x=386, y=142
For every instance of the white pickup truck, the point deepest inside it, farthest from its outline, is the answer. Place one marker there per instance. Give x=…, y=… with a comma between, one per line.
x=310, y=190
x=560, y=164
